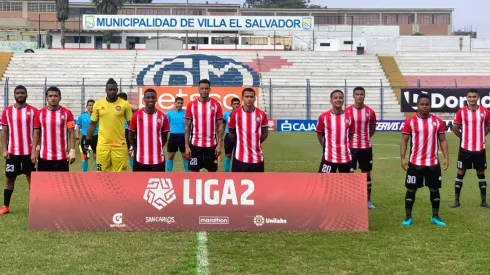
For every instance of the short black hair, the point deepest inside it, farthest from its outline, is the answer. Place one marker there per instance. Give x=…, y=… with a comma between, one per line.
x=423, y=96
x=335, y=91
x=359, y=88
x=20, y=87
x=111, y=81
x=235, y=99
x=150, y=90
x=205, y=81
x=474, y=91
x=246, y=90
x=90, y=101
x=53, y=89
x=123, y=96
x=179, y=98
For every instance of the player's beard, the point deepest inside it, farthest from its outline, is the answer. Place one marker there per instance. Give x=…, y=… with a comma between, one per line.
x=20, y=102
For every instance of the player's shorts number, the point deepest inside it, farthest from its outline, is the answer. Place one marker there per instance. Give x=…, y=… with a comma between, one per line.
x=99, y=167
x=193, y=161
x=460, y=164
x=9, y=168
x=326, y=168
x=411, y=179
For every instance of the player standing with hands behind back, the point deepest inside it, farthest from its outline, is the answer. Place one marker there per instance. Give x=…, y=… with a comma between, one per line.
x=204, y=122
x=425, y=130
x=249, y=127
x=17, y=127
x=471, y=125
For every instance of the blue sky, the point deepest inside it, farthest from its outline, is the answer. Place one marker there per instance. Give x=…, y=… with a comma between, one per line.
x=467, y=14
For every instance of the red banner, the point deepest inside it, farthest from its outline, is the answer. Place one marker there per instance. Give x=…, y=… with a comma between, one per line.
x=131, y=201
x=272, y=125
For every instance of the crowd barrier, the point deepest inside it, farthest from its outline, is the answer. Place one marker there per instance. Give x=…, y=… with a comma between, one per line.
x=136, y=201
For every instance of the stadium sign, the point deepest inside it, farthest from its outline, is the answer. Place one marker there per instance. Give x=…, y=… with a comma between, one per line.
x=152, y=201
x=443, y=100
x=197, y=23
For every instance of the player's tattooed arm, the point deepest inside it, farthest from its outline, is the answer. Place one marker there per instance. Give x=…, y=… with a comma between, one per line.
x=91, y=129
x=221, y=131
x=187, y=134
x=457, y=130
x=445, y=151
x=320, y=136
x=132, y=139
x=35, y=142
x=264, y=134
x=5, y=134
x=164, y=138
x=403, y=151
x=372, y=130
x=232, y=133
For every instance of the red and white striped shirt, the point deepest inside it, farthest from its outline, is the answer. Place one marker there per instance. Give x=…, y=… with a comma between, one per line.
x=248, y=126
x=362, y=119
x=54, y=127
x=204, y=116
x=20, y=122
x=424, y=133
x=336, y=129
x=149, y=129
x=473, y=127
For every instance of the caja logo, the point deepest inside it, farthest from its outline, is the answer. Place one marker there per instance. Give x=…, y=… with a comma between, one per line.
x=187, y=70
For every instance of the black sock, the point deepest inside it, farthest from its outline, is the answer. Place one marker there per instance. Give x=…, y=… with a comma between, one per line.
x=7, y=194
x=458, y=184
x=435, y=200
x=483, y=187
x=369, y=187
x=409, y=201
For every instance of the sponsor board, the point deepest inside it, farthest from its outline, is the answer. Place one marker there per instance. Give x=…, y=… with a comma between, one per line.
x=130, y=201
x=272, y=125
x=174, y=22
x=442, y=100
x=166, y=96
x=397, y=125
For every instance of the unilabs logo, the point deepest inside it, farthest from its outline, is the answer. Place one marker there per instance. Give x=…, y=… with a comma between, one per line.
x=259, y=220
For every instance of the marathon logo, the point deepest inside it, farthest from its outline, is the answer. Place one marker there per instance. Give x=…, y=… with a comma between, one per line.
x=214, y=220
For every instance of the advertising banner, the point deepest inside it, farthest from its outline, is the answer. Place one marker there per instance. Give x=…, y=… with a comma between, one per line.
x=179, y=23
x=272, y=125
x=129, y=201
x=442, y=100
x=166, y=95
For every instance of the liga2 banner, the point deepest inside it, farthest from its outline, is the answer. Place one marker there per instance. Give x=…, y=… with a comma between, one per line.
x=442, y=100
x=179, y=23
x=288, y=125
x=129, y=201
x=166, y=95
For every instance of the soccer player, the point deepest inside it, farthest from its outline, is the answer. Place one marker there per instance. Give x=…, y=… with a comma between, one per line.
x=229, y=142
x=471, y=125
x=17, y=128
x=425, y=131
x=176, y=141
x=51, y=125
x=111, y=113
x=249, y=127
x=82, y=124
x=333, y=132
x=204, y=121
x=148, y=132
x=364, y=125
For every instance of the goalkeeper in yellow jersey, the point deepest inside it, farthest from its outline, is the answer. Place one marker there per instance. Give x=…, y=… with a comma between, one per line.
x=111, y=113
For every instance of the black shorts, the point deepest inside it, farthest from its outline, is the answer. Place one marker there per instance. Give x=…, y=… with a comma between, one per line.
x=364, y=157
x=330, y=167
x=239, y=166
x=416, y=175
x=139, y=167
x=472, y=160
x=176, y=142
x=203, y=157
x=53, y=165
x=93, y=144
x=229, y=145
x=18, y=165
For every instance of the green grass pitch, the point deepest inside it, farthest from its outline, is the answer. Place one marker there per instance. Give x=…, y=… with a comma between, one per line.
x=388, y=248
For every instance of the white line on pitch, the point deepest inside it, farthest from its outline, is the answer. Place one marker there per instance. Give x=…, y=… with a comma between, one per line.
x=202, y=253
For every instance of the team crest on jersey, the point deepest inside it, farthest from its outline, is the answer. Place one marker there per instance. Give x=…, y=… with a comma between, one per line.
x=347, y=120
x=481, y=114
x=28, y=113
x=367, y=114
x=159, y=120
x=434, y=123
x=212, y=108
x=62, y=117
x=118, y=108
x=258, y=119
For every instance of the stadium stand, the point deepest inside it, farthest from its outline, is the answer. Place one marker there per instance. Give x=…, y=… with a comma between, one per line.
x=454, y=69
x=285, y=72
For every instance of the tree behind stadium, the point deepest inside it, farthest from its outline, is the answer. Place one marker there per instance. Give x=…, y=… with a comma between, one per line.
x=62, y=14
x=108, y=7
